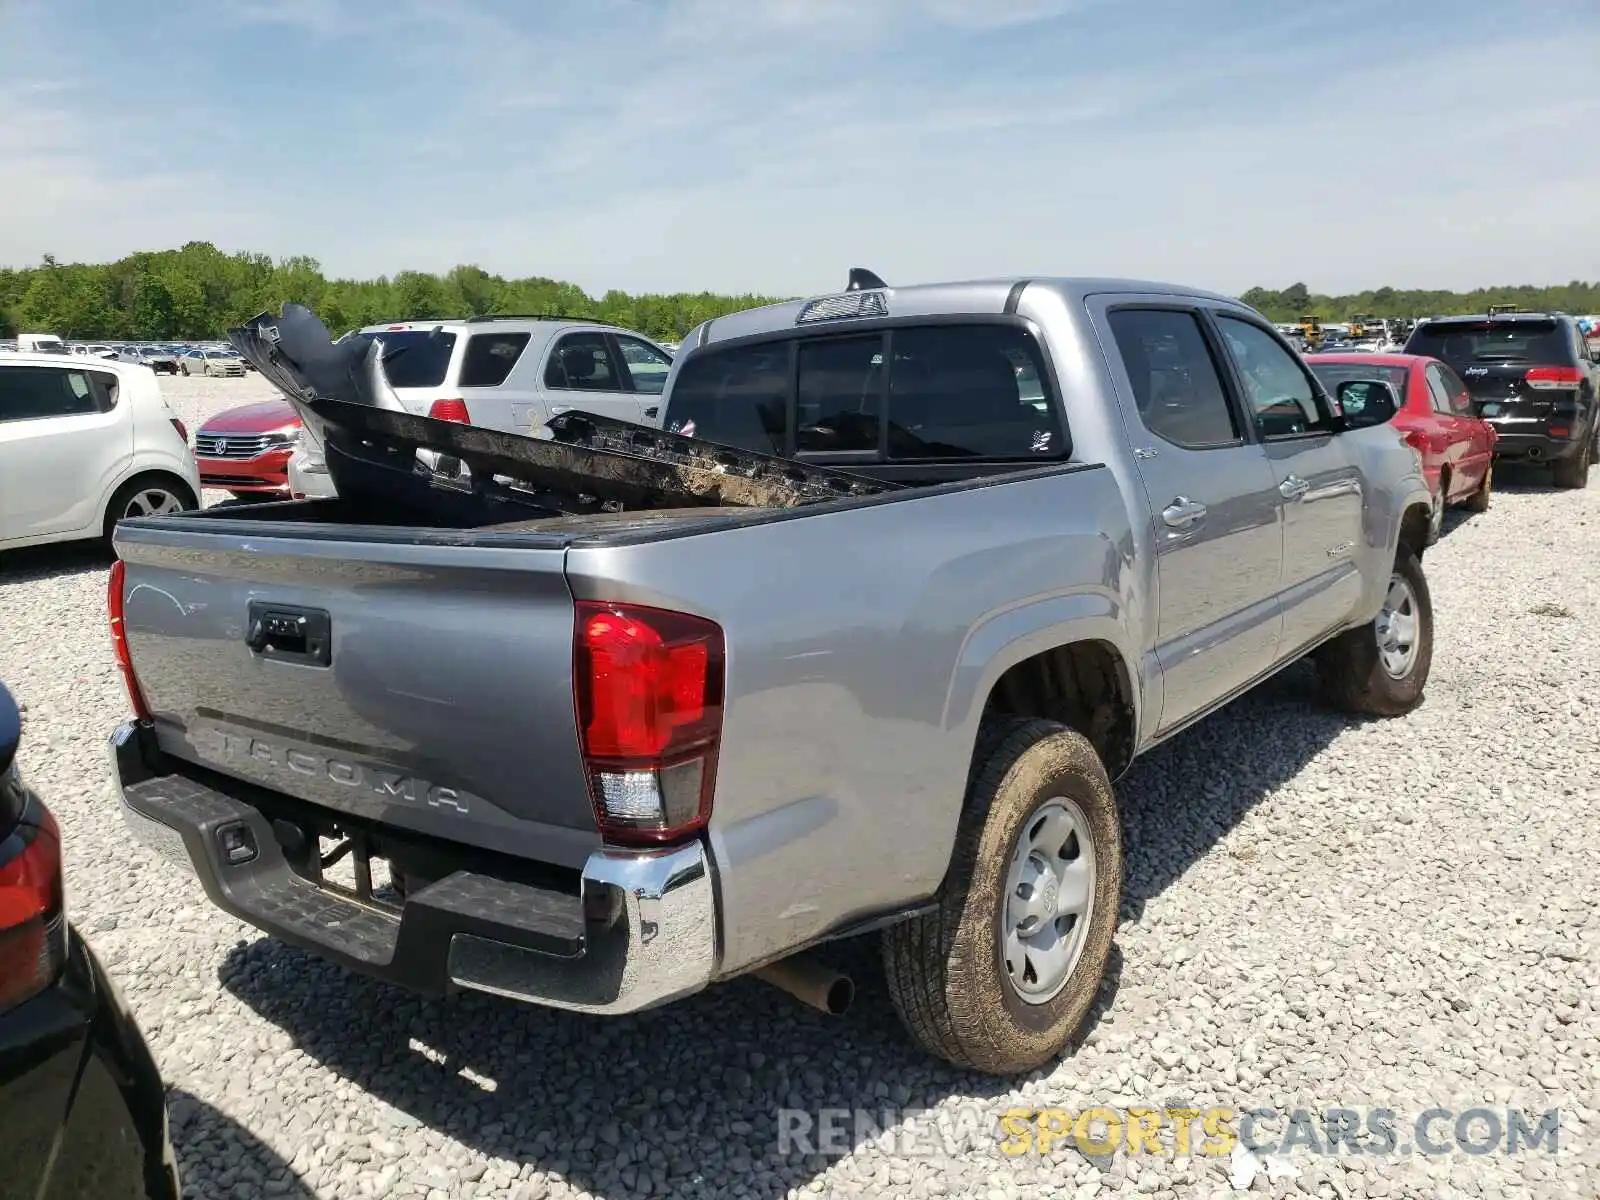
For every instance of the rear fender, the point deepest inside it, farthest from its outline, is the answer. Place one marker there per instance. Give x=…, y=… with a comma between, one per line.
x=996, y=645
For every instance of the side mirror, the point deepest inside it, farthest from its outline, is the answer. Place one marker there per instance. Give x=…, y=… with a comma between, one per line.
x=10, y=729
x=1364, y=403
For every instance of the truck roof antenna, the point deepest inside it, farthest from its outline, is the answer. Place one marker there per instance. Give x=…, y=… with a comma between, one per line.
x=862, y=279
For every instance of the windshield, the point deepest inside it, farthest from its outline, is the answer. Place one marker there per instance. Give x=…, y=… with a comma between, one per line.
x=415, y=358
x=1492, y=341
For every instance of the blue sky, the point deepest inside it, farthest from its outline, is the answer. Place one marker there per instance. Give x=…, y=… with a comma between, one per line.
x=769, y=145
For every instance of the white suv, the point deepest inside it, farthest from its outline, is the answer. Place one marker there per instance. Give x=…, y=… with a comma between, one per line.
x=508, y=373
x=84, y=443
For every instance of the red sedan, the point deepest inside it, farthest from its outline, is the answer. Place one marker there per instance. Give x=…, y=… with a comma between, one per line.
x=1435, y=415
x=246, y=450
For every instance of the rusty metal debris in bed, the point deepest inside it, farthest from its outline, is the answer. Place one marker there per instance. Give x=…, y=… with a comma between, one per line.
x=341, y=389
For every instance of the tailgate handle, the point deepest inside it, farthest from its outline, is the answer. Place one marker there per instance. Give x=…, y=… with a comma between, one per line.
x=289, y=633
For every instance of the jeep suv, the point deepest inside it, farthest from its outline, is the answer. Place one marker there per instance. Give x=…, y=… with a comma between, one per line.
x=1532, y=377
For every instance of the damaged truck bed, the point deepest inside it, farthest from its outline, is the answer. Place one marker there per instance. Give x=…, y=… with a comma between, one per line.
x=591, y=463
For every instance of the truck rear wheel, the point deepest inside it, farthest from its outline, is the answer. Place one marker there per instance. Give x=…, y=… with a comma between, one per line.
x=1002, y=974
x=1379, y=669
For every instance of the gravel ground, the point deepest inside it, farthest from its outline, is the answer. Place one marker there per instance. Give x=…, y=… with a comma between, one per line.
x=1321, y=913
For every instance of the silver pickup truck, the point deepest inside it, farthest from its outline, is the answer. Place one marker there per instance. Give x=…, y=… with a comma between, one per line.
x=856, y=643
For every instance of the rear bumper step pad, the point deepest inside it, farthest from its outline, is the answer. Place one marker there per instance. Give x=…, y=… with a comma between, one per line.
x=466, y=930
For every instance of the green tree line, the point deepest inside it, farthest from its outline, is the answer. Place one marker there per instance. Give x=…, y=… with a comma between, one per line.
x=1297, y=300
x=199, y=291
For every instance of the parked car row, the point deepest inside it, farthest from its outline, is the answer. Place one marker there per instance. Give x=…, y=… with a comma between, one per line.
x=1533, y=377
x=168, y=359
x=511, y=374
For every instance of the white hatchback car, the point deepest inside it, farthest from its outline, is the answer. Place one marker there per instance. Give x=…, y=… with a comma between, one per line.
x=83, y=444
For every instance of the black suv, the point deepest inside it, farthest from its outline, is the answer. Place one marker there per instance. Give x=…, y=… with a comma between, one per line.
x=1531, y=377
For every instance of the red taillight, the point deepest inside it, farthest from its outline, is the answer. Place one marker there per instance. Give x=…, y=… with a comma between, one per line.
x=450, y=410
x=33, y=925
x=1545, y=378
x=182, y=429
x=119, y=640
x=1416, y=440
x=648, y=688
x=1560, y=431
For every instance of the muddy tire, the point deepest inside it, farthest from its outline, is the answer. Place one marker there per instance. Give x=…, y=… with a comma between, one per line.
x=1040, y=818
x=1479, y=500
x=1381, y=668
x=1573, y=472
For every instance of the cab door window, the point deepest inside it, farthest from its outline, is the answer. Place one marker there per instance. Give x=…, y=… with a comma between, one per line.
x=1283, y=400
x=1176, y=385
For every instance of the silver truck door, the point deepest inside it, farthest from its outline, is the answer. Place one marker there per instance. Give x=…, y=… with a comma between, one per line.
x=1214, y=506
x=1314, y=472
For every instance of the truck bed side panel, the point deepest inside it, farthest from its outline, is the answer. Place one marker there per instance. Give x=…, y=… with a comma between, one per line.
x=861, y=647
x=446, y=707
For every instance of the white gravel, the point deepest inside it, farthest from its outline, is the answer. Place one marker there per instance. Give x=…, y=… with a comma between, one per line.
x=1321, y=914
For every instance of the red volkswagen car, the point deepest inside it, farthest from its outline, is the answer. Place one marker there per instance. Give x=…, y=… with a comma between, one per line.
x=1435, y=416
x=246, y=450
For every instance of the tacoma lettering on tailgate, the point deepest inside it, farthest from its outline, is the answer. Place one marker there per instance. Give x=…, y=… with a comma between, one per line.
x=249, y=749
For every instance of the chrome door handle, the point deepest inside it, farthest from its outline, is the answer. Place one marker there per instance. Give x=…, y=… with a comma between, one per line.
x=1293, y=487
x=1183, y=513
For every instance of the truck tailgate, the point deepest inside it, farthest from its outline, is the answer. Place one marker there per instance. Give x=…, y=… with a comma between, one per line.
x=427, y=686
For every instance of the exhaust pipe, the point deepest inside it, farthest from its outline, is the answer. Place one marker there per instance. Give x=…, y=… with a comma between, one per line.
x=1535, y=453
x=810, y=982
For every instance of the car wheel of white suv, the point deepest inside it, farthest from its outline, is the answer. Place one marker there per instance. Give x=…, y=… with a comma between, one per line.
x=151, y=495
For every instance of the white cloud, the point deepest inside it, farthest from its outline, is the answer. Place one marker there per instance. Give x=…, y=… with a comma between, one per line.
x=770, y=144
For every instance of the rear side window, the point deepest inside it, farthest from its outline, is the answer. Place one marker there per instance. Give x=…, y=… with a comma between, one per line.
x=581, y=362
x=1176, y=385
x=1438, y=391
x=415, y=358
x=1460, y=397
x=647, y=366
x=953, y=391
x=839, y=395
x=970, y=391
x=33, y=393
x=737, y=397
x=1466, y=343
x=489, y=358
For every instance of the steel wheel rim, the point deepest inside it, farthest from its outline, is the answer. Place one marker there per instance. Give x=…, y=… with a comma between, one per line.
x=1049, y=899
x=152, y=502
x=1397, y=629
